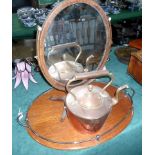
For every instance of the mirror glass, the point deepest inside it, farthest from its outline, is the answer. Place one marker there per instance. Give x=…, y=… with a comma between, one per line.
x=75, y=42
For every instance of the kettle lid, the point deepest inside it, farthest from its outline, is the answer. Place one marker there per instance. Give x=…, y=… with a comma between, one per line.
x=90, y=102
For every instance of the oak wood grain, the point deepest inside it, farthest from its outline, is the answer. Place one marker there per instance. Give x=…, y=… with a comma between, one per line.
x=135, y=66
x=44, y=118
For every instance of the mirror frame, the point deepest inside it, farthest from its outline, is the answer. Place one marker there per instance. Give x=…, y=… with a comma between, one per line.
x=42, y=32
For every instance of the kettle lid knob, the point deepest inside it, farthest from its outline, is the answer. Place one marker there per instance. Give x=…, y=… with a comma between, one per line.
x=90, y=87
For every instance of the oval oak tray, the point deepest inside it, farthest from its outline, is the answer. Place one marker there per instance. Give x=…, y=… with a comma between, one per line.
x=44, y=116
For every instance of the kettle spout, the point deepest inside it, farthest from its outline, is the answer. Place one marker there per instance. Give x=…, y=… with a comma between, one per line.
x=115, y=99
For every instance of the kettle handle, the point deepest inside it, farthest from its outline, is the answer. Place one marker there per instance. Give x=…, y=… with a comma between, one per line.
x=90, y=75
x=72, y=44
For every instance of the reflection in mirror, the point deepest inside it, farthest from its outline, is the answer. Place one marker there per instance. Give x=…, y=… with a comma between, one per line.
x=75, y=42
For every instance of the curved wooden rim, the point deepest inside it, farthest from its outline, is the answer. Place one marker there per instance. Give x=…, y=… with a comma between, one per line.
x=50, y=19
x=43, y=116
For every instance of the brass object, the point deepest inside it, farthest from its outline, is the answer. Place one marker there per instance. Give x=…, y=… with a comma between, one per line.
x=90, y=105
x=65, y=70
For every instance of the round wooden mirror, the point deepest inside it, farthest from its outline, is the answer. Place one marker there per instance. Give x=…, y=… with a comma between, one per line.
x=75, y=38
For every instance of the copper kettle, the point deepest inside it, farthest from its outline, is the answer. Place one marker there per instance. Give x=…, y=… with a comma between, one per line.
x=65, y=70
x=88, y=106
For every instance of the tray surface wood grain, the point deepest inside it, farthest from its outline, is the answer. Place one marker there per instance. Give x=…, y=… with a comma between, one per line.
x=44, y=118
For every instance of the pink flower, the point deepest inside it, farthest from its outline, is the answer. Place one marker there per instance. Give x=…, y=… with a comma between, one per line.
x=23, y=73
